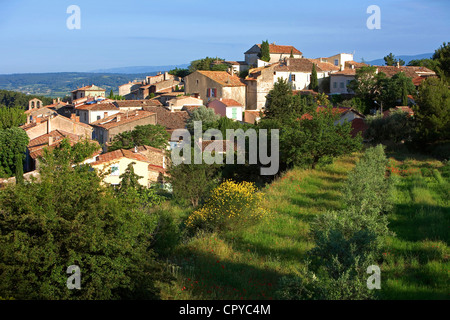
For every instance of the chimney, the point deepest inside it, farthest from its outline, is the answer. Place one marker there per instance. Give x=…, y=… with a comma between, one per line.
x=54, y=101
x=51, y=140
x=49, y=125
x=77, y=119
x=118, y=117
x=135, y=149
x=59, y=100
x=105, y=114
x=398, y=64
x=73, y=116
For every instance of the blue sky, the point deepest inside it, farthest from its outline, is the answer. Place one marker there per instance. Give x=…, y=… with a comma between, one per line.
x=34, y=36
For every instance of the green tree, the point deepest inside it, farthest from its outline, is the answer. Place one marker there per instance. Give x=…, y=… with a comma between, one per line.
x=208, y=64
x=13, y=144
x=179, y=72
x=390, y=60
x=366, y=85
x=71, y=218
x=314, y=85
x=442, y=58
x=279, y=100
x=11, y=117
x=265, y=51
x=316, y=138
x=206, y=115
x=151, y=135
x=192, y=182
x=433, y=111
x=394, y=91
x=111, y=94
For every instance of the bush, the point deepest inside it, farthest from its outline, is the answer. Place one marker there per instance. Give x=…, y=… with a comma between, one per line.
x=231, y=206
x=367, y=187
x=396, y=127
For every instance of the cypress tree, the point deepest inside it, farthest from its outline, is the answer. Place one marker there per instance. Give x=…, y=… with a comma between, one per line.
x=265, y=51
x=314, y=85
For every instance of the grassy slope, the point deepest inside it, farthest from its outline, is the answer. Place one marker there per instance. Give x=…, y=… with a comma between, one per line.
x=248, y=265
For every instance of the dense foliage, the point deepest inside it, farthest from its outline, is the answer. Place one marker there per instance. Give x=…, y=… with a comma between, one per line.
x=71, y=218
x=316, y=138
x=154, y=136
x=13, y=143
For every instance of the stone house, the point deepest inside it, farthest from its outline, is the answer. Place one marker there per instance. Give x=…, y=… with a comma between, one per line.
x=88, y=91
x=277, y=53
x=41, y=126
x=177, y=103
x=91, y=112
x=107, y=128
x=296, y=71
x=116, y=162
x=212, y=85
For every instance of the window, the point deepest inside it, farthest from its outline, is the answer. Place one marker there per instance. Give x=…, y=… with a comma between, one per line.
x=341, y=85
x=211, y=93
x=335, y=85
x=234, y=113
x=293, y=77
x=115, y=170
x=98, y=118
x=336, y=62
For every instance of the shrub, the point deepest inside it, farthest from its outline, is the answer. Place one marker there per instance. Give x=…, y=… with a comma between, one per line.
x=231, y=206
x=367, y=187
x=396, y=127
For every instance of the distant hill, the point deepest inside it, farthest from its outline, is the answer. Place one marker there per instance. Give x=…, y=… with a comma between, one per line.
x=141, y=69
x=407, y=59
x=62, y=83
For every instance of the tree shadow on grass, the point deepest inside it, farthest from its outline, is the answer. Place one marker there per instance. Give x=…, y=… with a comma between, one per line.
x=419, y=222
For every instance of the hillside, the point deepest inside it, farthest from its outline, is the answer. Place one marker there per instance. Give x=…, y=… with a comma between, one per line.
x=407, y=59
x=62, y=83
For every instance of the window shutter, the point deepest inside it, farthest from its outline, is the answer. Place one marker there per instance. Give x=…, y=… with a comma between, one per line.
x=215, y=92
x=207, y=93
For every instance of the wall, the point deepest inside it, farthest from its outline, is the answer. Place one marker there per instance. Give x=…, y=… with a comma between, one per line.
x=340, y=80
x=140, y=168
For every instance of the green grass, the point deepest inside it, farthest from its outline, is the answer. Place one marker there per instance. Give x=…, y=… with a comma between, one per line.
x=249, y=264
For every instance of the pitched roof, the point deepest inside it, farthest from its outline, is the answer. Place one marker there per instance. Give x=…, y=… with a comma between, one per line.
x=304, y=65
x=97, y=106
x=223, y=78
x=136, y=103
x=354, y=64
x=125, y=117
x=345, y=72
x=229, y=102
x=410, y=71
x=170, y=120
x=273, y=48
x=36, y=146
x=118, y=154
x=89, y=88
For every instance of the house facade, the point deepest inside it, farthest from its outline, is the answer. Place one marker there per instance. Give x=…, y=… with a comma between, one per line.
x=277, y=53
x=89, y=113
x=227, y=108
x=297, y=72
x=106, y=129
x=213, y=85
x=88, y=91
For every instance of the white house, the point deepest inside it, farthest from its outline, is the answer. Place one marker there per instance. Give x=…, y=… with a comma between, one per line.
x=89, y=113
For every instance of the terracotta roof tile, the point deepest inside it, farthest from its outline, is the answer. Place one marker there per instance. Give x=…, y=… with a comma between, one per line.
x=118, y=154
x=169, y=120
x=125, y=117
x=223, y=78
